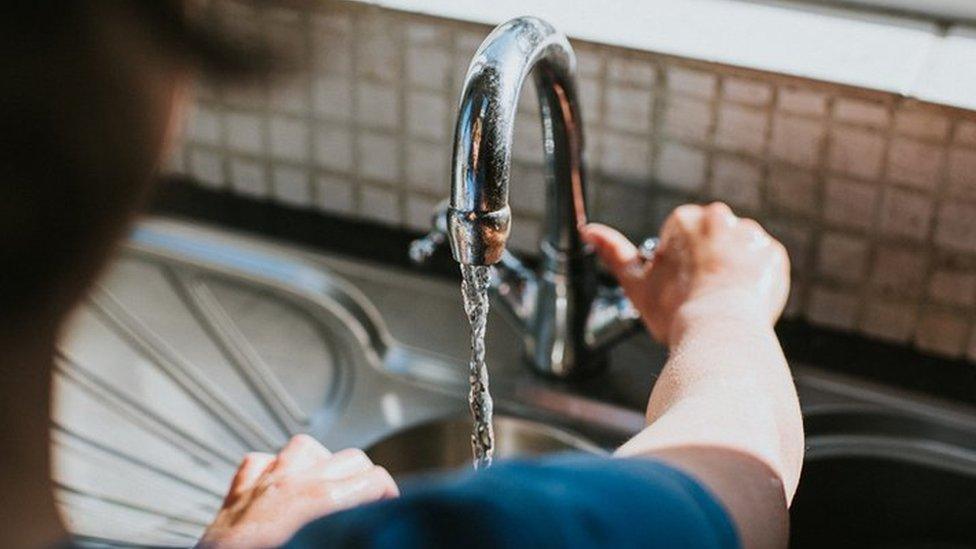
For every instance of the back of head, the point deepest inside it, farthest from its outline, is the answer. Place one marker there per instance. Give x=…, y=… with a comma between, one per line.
x=87, y=96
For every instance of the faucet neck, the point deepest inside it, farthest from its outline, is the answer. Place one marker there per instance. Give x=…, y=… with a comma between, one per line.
x=479, y=217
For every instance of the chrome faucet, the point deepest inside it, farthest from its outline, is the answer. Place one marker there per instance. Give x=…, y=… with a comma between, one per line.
x=567, y=318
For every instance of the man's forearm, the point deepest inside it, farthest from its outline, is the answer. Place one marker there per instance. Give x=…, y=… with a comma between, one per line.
x=727, y=386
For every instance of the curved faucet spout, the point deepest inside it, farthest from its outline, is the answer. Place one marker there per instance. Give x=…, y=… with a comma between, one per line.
x=479, y=217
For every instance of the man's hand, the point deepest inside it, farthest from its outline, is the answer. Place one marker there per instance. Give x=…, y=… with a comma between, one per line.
x=724, y=408
x=272, y=497
x=709, y=262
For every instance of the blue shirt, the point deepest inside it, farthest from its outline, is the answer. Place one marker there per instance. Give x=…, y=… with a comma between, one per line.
x=563, y=501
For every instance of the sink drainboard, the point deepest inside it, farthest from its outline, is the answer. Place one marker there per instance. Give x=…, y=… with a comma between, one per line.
x=192, y=352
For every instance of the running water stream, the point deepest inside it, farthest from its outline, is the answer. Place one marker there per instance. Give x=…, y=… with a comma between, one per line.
x=474, y=291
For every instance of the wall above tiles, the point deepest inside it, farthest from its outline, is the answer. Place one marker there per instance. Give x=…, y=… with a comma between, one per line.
x=873, y=195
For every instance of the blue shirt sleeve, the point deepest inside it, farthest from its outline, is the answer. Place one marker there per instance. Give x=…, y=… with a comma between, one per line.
x=565, y=501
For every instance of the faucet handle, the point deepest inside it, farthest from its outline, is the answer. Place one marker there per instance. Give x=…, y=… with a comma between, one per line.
x=613, y=316
x=424, y=247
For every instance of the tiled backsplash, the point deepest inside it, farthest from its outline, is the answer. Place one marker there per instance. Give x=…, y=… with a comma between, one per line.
x=873, y=195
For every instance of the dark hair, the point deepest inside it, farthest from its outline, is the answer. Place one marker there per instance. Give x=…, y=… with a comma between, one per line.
x=82, y=118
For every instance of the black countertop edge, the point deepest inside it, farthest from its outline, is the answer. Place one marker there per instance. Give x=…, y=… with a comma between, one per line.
x=831, y=350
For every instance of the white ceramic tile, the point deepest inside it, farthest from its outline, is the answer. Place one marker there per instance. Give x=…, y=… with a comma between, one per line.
x=921, y=123
x=741, y=129
x=207, y=167
x=593, y=151
x=687, y=119
x=745, y=91
x=468, y=41
x=527, y=140
x=794, y=191
x=626, y=157
x=289, y=138
x=661, y=207
x=428, y=167
x=420, y=208
x=965, y=132
x=427, y=34
x=377, y=106
x=379, y=204
x=334, y=194
x=850, y=203
x=291, y=96
x=332, y=46
x=681, y=167
x=915, y=163
x=856, y=152
x=206, y=91
x=428, y=116
x=524, y=237
x=245, y=132
x=628, y=109
x=953, y=287
x=378, y=49
x=802, y=101
x=527, y=188
x=638, y=72
x=956, y=227
x=625, y=208
x=332, y=97
x=842, y=257
x=378, y=157
x=175, y=161
x=736, y=182
x=430, y=67
x=204, y=126
x=249, y=97
x=248, y=177
x=962, y=173
x=942, y=333
x=590, y=101
x=589, y=62
x=797, y=140
x=795, y=301
x=796, y=237
x=899, y=271
x=905, y=214
x=860, y=112
x=291, y=185
x=461, y=63
x=287, y=35
x=892, y=321
x=528, y=100
x=333, y=147
x=690, y=82
x=832, y=308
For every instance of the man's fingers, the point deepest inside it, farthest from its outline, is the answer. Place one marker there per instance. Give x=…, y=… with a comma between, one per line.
x=717, y=216
x=345, y=464
x=372, y=485
x=252, y=467
x=616, y=251
x=301, y=452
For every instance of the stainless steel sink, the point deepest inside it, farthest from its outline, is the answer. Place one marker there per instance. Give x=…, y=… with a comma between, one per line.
x=446, y=444
x=886, y=470
x=201, y=345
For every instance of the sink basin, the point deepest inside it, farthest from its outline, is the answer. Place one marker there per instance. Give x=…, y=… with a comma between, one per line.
x=446, y=444
x=881, y=479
